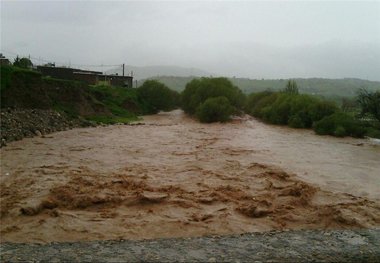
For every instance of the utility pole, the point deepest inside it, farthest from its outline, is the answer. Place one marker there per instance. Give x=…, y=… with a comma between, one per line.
x=123, y=69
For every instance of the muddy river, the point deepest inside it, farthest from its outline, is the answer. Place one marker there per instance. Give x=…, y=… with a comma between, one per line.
x=174, y=177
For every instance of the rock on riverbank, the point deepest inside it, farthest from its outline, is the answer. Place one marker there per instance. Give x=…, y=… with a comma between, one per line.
x=20, y=123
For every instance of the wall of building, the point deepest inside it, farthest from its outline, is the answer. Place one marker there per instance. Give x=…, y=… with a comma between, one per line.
x=90, y=77
x=121, y=81
x=58, y=73
x=63, y=73
x=4, y=62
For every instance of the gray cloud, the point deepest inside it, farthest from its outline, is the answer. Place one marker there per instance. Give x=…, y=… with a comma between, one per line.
x=246, y=39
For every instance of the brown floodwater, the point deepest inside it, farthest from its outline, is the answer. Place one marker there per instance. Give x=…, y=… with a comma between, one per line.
x=175, y=177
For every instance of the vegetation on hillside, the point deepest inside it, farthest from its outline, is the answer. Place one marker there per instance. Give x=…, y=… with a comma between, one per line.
x=22, y=62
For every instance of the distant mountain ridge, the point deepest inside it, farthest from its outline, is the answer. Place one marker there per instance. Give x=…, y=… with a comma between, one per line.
x=176, y=78
x=140, y=73
x=346, y=87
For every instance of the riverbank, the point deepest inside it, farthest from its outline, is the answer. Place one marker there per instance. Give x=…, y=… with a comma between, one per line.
x=291, y=246
x=17, y=124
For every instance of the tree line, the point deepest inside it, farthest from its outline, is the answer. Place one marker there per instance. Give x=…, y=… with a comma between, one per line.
x=217, y=99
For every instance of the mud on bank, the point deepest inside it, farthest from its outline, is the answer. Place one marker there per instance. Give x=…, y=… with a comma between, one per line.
x=172, y=177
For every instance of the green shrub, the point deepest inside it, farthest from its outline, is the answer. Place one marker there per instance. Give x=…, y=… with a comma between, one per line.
x=263, y=105
x=373, y=132
x=253, y=99
x=156, y=96
x=341, y=124
x=198, y=91
x=286, y=108
x=296, y=122
x=340, y=132
x=214, y=110
x=321, y=109
x=369, y=103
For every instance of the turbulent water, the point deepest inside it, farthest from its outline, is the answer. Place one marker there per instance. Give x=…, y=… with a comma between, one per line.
x=173, y=177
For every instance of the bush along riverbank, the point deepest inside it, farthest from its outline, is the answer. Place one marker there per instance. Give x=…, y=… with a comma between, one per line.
x=306, y=111
x=212, y=99
x=217, y=99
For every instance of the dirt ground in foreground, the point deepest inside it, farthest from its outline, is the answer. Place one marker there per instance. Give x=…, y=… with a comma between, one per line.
x=171, y=177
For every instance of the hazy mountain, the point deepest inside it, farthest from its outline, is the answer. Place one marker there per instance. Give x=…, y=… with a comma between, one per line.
x=155, y=71
x=346, y=87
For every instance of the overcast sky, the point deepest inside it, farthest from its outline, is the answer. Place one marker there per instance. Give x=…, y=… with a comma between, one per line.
x=243, y=39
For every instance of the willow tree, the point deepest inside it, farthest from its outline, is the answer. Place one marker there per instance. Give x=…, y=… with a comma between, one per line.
x=291, y=87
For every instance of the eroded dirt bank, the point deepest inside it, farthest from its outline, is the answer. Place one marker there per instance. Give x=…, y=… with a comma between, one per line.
x=174, y=177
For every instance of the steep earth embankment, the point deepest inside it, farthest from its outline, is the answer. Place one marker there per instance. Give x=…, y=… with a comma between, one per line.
x=27, y=89
x=33, y=104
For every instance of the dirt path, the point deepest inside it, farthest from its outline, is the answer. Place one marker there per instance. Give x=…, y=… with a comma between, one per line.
x=173, y=177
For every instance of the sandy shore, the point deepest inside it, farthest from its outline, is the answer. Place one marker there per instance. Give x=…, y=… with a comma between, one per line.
x=174, y=177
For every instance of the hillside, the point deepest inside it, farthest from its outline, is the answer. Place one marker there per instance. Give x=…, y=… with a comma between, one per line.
x=27, y=89
x=317, y=86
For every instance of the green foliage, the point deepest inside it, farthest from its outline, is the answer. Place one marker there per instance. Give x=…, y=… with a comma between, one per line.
x=199, y=90
x=291, y=87
x=121, y=102
x=348, y=104
x=156, y=96
x=214, y=110
x=10, y=74
x=22, y=62
x=279, y=111
x=327, y=88
x=263, y=103
x=252, y=102
x=5, y=76
x=373, y=132
x=369, y=103
x=322, y=108
x=340, y=131
x=340, y=124
x=296, y=122
x=295, y=110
